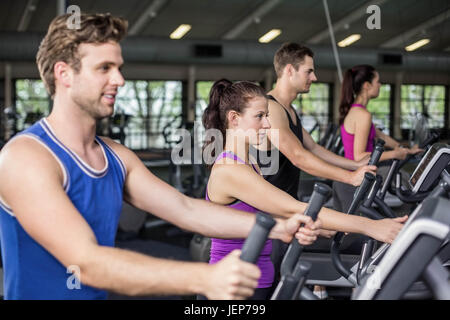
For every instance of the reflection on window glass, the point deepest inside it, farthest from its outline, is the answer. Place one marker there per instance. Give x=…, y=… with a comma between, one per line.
x=314, y=109
x=428, y=100
x=202, y=90
x=149, y=107
x=202, y=93
x=32, y=102
x=380, y=108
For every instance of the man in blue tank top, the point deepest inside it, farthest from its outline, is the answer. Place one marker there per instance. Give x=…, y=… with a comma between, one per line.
x=62, y=190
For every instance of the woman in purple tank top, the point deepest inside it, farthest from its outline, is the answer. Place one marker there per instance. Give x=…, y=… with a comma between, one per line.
x=362, y=83
x=239, y=111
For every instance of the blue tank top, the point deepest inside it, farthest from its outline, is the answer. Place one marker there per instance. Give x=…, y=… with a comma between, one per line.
x=31, y=272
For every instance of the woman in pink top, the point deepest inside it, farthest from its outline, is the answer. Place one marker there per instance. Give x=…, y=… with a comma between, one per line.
x=362, y=83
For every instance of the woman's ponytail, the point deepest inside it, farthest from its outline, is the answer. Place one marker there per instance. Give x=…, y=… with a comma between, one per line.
x=352, y=84
x=347, y=97
x=212, y=116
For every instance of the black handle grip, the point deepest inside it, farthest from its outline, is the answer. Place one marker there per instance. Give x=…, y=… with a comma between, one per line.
x=319, y=197
x=301, y=272
x=387, y=182
x=257, y=238
x=360, y=192
x=285, y=288
x=376, y=154
x=290, y=285
x=373, y=191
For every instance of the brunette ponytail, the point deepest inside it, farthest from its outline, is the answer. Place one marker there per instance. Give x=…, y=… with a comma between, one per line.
x=347, y=97
x=354, y=79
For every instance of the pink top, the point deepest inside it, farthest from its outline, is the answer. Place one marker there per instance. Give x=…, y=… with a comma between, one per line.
x=348, y=138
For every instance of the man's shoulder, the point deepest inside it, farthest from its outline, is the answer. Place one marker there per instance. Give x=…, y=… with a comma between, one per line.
x=25, y=158
x=22, y=143
x=127, y=156
x=276, y=107
x=278, y=116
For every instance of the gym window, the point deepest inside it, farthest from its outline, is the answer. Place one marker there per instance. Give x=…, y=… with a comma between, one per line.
x=32, y=103
x=202, y=98
x=202, y=89
x=142, y=110
x=380, y=109
x=313, y=108
x=427, y=100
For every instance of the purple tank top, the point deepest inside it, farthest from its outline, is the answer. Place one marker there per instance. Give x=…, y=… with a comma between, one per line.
x=348, y=138
x=221, y=247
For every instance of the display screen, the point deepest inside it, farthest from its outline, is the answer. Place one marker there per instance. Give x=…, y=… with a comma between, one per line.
x=423, y=164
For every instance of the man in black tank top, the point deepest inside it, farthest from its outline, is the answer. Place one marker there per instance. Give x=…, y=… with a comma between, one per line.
x=294, y=67
x=287, y=176
x=292, y=146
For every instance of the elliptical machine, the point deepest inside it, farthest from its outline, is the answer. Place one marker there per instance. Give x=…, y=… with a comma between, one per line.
x=431, y=179
x=193, y=185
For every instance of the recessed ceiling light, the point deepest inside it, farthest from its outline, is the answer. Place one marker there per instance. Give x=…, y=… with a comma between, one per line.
x=269, y=36
x=349, y=40
x=417, y=45
x=180, y=31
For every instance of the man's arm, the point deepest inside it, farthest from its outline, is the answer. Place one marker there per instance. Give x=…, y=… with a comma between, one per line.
x=292, y=148
x=43, y=209
x=187, y=213
x=331, y=157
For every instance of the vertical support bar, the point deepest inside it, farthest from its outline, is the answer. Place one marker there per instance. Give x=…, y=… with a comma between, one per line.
x=61, y=7
x=447, y=112
x=333, y=41
x=336, y=94
x=190, y=116
x=8, y=85
x=397, y=106
x=331, y=95
x=268, y=80
x=8, y=100
x=391, y=109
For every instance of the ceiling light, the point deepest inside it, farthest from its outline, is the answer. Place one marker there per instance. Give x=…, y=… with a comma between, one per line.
x=417, y=45
x=269, y=36
x=180, y=31
x=349, y=40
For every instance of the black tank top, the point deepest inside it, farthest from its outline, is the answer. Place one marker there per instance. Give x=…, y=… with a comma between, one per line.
x=287, y=177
